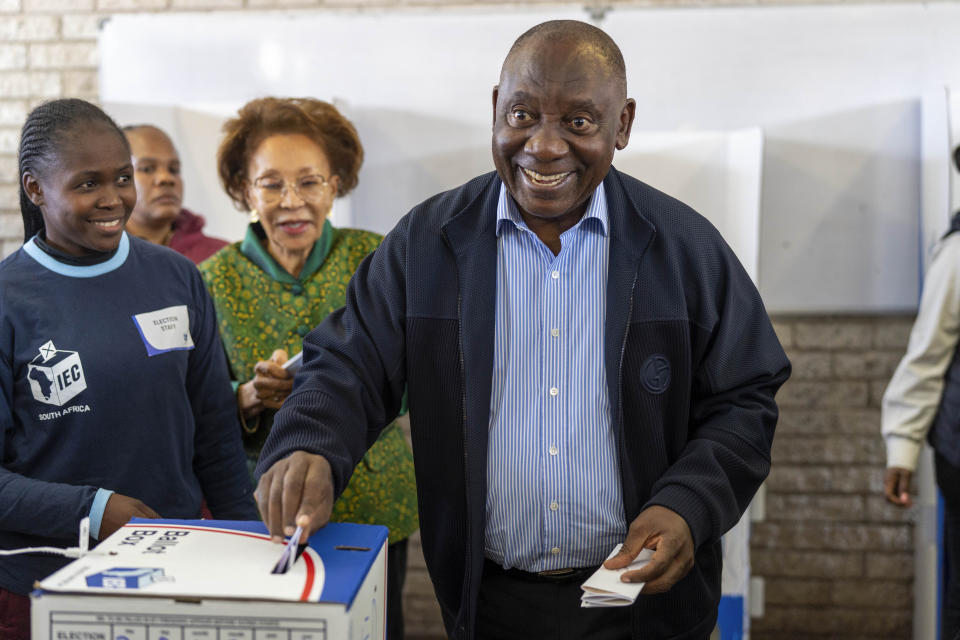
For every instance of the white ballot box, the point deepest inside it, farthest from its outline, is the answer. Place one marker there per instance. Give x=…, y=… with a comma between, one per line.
x=212, y=580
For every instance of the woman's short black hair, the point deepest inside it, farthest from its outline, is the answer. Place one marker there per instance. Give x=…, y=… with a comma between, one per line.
x=47, y=128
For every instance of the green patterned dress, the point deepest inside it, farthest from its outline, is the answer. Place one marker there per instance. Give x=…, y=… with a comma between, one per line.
x=260, y=308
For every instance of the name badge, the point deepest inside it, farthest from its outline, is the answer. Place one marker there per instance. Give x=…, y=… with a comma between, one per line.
x=165, y=330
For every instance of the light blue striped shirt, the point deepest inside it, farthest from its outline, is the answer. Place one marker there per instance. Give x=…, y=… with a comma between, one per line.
x=553, y=477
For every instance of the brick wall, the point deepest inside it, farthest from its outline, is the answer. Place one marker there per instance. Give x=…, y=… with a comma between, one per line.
x=836, y=559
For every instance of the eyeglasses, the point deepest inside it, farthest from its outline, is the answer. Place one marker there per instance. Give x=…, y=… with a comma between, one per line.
x=312, y=188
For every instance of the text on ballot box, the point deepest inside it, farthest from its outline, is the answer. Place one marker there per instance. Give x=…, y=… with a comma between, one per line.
x=211, y=580
x=83, y=626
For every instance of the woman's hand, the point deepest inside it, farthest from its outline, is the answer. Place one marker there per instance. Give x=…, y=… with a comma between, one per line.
x=119, y=510
x=270, y=386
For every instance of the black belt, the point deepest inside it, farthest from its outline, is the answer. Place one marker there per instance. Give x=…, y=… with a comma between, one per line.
x=554, y=575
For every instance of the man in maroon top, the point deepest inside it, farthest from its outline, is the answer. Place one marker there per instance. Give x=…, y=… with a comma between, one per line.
x=158, y=216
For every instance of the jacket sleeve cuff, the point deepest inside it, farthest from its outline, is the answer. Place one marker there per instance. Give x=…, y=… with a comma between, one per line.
x=96, y=511
x=689, y=506
x=902, y=452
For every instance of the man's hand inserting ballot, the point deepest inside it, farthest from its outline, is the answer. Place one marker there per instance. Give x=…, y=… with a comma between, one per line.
x=296, y=491
x=667, y=533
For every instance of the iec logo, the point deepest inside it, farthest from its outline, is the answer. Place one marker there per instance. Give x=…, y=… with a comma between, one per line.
x=55, y=376
x=124, y=578
x=655, y=374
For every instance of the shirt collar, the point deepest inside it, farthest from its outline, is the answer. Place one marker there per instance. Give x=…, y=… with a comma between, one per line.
x=507, y=212
x=253, y=249
x=79, y=271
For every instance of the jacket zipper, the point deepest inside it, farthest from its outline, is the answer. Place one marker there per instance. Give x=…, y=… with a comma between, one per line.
x=623, y=350
x=463, y=427
x=468, y=577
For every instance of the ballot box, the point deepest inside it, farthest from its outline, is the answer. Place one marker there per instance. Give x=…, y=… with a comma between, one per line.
x=212, y=580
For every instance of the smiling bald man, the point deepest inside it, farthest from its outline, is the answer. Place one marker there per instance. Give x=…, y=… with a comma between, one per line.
x=587, y=364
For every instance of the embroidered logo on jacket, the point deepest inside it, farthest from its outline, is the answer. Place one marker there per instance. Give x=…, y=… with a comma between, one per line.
x=55, y=376
x=655, y=374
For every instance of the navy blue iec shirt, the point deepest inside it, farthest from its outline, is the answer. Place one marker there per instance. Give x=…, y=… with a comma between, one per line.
x=112, y=378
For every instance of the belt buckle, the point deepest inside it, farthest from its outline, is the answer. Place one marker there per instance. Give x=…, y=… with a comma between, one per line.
x=556, y=573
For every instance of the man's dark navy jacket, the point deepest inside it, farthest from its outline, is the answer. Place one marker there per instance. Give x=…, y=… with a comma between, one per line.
x=691, y=359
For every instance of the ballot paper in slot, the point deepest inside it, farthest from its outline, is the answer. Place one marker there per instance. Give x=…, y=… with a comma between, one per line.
x=605, y=589
x=291, y=551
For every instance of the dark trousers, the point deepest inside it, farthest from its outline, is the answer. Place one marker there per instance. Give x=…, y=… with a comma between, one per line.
x=396, y=576
x=513, y=607
x=14, y=616
x=948, y=479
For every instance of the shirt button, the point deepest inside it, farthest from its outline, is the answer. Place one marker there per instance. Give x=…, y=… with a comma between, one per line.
x=554, y=391
x=296, y=290
x=555, y=275
x=554, y=506
x=555, y=332
x=553, y=450
x=303, y=330
x=555, y=551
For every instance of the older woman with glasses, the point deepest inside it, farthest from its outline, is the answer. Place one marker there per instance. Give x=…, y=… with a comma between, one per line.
x=285, y=160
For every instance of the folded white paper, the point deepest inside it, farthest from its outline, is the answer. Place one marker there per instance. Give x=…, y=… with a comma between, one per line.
x=604, y=588
x=293, y=364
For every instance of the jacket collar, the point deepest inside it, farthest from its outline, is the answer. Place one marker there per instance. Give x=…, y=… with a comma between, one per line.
x=631, y=231
x=477, y=220
x=629, y=228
